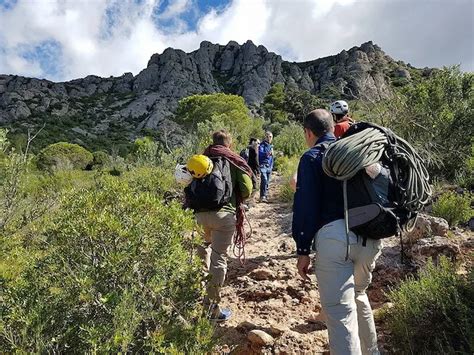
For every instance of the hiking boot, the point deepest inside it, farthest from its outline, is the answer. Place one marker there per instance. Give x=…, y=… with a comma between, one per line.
x=263, y=199
x=223, y=315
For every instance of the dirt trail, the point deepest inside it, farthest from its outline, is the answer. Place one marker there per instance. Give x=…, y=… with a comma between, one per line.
x=266, y=292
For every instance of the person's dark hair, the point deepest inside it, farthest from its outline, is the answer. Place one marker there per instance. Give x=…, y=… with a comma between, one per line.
x=338, y=117
x=319, y=122
x=252, y=140
x=222, y=137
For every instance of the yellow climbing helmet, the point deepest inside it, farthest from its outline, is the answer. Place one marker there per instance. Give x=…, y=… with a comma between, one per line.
x=199, y=166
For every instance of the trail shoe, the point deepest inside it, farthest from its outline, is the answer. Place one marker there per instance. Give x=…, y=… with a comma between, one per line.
x=223, y=315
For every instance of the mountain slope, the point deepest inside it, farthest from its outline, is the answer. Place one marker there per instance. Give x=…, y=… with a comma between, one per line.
x=125, y=105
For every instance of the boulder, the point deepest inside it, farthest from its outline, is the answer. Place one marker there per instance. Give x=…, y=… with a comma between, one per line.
x=402, y=73
x=427, y=226
x=246, y=325
x=433, y=248
x=277, y=329
x=262, y=274
x=259, y=338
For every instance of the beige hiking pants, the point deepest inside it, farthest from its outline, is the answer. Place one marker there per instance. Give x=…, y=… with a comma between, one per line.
x=219, y=228
x=342, y=285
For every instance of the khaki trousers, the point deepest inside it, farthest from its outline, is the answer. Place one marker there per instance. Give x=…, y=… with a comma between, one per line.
x=219, y=228
x=342, y=285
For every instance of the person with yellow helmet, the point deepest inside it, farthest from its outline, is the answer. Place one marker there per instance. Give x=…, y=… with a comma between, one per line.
x=222, y=180
x=199, y=166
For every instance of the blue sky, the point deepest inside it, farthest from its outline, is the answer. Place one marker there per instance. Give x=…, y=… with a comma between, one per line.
x=66, y=39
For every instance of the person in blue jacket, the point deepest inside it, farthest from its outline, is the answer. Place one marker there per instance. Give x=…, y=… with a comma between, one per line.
x=265, y=159
x=318, y=216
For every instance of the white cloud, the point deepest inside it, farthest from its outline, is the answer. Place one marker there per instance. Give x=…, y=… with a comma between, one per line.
x=241, y=21
x=22, y=65
x=175, y=9
x=110, y=37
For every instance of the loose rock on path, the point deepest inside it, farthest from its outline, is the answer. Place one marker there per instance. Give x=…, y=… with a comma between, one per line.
x=274, y=310
x=271, y=304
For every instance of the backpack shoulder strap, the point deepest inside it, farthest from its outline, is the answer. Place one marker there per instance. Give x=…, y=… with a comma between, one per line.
x=323, y=145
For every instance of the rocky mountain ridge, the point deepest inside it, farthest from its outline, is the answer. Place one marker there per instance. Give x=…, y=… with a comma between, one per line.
x=95, y=106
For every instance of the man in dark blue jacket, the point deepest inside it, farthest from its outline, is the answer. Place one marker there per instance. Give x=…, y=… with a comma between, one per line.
x=265, y=159
x=318, y=215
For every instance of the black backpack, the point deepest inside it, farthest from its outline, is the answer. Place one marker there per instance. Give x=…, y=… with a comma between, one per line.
x=244, y=153
x=369, y=216
x=212, y=191
x=379, y=208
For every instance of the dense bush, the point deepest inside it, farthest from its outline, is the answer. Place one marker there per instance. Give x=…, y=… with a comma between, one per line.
x=287, y=167
x=291, y=140
x=108, y=270
x=144, y=151
x=63, y=156
x=298, y=103
x=36, y=194
x=283, y=104
x=453, y=207
x=100, y=160
x=203, y=114
x=274, y=105
x=433, y=314
x=13, y=169
x=151, y=180
x=436, y=116
x=465, y=177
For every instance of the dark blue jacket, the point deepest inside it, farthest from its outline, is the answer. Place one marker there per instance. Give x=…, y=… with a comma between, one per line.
x=318, y=198
x=265, y=154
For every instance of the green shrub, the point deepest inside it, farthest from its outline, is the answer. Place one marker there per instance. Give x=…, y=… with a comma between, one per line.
x=436, y=116
x=63, y=156
x=145, y=151
x=453, y=207
x=465, y=177
x=107, y=271
x=37, y=193
x=101, y=160
x=287, y=167
x=203, y=114
x=291, y=140
x=432, y=314
x=150, y=179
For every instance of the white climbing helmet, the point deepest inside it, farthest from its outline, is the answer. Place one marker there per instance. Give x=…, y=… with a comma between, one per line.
x=339, y=107
x=182, y=175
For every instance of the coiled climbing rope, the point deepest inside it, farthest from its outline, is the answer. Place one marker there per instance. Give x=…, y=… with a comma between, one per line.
x=344, y=158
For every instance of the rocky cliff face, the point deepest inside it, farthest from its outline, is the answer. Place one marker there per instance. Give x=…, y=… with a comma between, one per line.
x=93, y=105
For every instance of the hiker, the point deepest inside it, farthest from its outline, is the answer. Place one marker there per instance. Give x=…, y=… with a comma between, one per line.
x=318, y=214
x=340, y=111
x=219, y=224
x=265, y=160
x=250, y=154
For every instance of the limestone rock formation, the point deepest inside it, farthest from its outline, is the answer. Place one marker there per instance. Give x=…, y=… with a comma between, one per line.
x=427, y=226
x=149, y=99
